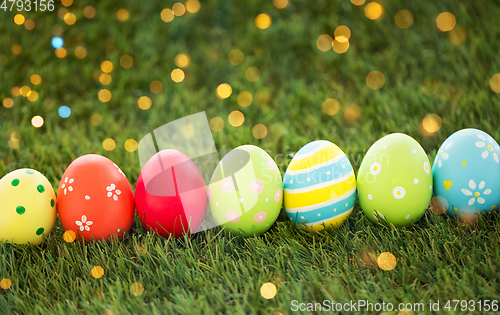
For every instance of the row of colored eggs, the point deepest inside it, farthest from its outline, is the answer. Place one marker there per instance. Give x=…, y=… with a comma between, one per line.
x=394, y=183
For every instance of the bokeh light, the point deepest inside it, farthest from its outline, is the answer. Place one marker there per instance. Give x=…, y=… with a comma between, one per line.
x=223, y=91
x=69, y=236
x=177, y=75
x=245, y=99
x=96, y=119
x=340, y=45
x=268, y=290
x=126, y=61
x=181, y=60
x=69, y=18
x=330, y=106
x=108, y=144
x=25, y=90
x=358, y=2
x=436, y=207
x=130, y=145
x=105, y=79
x=263, y=21
x=64, y=111
x=66, y=3
x=217, y=124
x=342, y=33
x=430, y=125
x=106, y=66
x=137, y=289
x=252, y=74
x=280, y=4
x=60, y=52
x=386, y=261
x=179, y=9
x=375, y=80
x=193, y=6
x=19, y=19
x=373, y=10
x=97, y=272
x=324, y=42
x=236, y=118
x=8, y=102
x=167, y=15
x=61, y=12
x=156, y=87
x=37, y=121
x=57, y=30
x=352, y=112
x=259, y=131
x=236, y=57
x=89, y=12
x=15, y=91
x=14, y=143
x=495, y=83
x=457, y=36
x=5, y=283
x=144, y=102
x=445, y=21
x=32, y=96
x=57, y=42
x=29, y=24
x=35, y=79
x=403, y=19
x=17, y=49
x=104, y=95
x=80, y=52
x=122, y=15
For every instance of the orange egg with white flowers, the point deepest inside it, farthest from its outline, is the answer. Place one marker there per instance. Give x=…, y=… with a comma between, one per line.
x=95, y=199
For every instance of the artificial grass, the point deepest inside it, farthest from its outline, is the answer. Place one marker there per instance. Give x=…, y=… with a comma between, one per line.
x=215, y=272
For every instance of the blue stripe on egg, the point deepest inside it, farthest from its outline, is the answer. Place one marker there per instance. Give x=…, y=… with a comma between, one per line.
x=328, y=211
x=309, y=177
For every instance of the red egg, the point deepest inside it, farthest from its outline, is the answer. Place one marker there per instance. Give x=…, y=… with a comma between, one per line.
x=95, y=198
x=170, y=195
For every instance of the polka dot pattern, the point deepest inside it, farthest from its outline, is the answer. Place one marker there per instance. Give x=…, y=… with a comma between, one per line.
x=40, y=231
x=256, y=187
x=20, y=210
x=40, y=188
x=15, y=182
x=260, y=217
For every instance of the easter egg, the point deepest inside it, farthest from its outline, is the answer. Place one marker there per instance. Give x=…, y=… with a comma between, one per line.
x=466, y=173
x=395, y=180
x=28, y=207
x=245, y=191
x=95, y=198
x=171, y=195
x=320, y=186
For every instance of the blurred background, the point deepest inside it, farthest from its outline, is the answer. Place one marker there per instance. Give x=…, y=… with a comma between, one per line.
x=97, y=76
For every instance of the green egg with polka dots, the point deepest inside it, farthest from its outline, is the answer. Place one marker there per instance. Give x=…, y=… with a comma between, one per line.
x=245, y=192
x=28, y=207
x=395, y=180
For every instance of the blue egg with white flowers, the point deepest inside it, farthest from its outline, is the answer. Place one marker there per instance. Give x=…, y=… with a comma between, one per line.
x=466, y=173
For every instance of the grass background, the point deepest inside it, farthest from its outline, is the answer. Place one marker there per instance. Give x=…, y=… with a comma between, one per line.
x=215, y=272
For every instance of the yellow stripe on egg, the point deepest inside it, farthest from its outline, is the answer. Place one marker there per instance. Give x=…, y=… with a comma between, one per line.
x=295, y=200
x=321, y=156
x=333, y=222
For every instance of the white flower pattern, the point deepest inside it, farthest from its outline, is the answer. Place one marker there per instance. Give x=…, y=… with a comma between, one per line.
x=84, y=224
x=476, y=193
x=66, y=185
x=488, y=148
x=112, y=192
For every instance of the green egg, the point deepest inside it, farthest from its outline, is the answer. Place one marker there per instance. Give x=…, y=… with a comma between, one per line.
x=395, y=180
x=245, y=192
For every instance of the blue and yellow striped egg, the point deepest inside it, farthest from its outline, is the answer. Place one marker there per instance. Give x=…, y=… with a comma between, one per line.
x=320, y=186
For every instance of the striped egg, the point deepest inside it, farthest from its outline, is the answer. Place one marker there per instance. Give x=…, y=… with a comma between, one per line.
x=320, y=186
